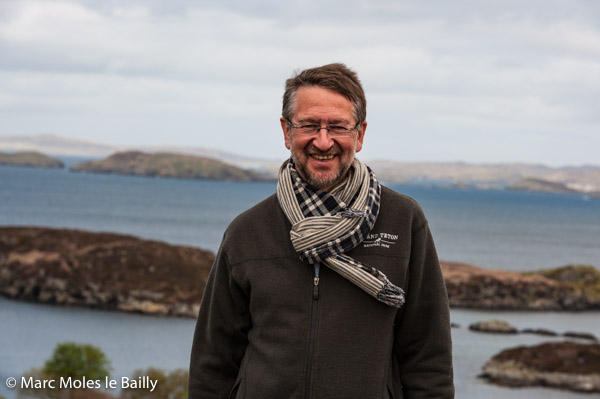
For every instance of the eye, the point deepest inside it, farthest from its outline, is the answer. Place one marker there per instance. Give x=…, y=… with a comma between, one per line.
x=309, y=127
x=338, y=129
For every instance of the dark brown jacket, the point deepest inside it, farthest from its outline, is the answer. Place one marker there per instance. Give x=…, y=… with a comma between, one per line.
x=266, y=331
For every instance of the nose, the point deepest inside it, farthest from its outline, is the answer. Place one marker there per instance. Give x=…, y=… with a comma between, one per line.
x=322, y=140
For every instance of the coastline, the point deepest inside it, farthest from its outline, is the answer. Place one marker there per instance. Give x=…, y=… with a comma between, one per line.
x=126, y=273
x=45, y=268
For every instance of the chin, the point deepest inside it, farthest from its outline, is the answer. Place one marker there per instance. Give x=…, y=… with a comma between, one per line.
x=322, y=181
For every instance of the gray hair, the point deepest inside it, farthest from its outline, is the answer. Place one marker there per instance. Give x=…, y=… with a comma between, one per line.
x=336, y=77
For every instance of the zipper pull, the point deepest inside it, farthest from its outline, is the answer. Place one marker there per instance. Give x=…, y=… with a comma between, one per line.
x=316, y=282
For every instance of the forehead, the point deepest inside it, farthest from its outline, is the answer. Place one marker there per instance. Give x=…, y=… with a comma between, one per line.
x=315, y=102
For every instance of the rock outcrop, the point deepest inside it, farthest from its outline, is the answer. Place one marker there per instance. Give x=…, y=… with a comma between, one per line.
x=473, y=287
x=566, y=365
x=539, y=331
x=494, y=326
x=102, y=270
x=31, y=159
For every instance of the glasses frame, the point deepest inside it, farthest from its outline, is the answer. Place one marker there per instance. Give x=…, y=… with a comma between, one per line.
x=319, y=127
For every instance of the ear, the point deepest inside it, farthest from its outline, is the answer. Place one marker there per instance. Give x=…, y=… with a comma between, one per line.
x=287, y=134
x=360, y=136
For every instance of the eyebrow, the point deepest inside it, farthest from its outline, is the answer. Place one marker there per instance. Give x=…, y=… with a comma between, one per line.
x=330, y=122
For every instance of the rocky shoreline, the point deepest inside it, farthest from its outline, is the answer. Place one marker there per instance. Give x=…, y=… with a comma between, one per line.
x=101, y=270
x=564, y=288
x=571, y=365
x=125, y=273
x=496, y=326
x=565, y=365
x=120, y=272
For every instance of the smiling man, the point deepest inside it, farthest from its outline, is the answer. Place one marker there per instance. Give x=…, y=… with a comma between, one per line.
x=330, y=288
x=322, y=156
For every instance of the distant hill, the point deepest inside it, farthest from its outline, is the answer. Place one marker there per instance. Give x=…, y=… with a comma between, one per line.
x=52, y=144
x=167, y=165
x=517, y=176
x=58, y=145
x=30, y=158
x=577, y=179
x=530, y=184
x=540, y=185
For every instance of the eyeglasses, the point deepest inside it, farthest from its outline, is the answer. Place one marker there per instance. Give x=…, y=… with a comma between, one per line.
x=333, y=130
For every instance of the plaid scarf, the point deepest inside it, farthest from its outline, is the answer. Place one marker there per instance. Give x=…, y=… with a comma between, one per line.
x=325, y=225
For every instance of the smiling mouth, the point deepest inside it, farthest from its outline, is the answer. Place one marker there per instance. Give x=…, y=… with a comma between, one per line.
x=322, y=157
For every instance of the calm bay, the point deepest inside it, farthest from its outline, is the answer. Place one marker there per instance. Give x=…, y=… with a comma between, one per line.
x=492, y=229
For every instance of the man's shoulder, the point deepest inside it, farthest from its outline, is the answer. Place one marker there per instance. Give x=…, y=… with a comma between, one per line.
x=264, y=218
x=259, y=232
x=262, y=212
x=400, y=200
x=396, y=205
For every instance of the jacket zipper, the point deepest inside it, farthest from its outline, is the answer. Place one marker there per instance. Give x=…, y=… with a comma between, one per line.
x=313, y=329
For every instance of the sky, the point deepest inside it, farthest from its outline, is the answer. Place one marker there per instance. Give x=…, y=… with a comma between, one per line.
x=487, y=81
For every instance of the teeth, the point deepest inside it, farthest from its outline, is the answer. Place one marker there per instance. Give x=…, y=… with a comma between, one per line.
x=322, y=157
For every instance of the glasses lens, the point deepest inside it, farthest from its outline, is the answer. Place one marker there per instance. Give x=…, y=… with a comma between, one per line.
x=340, y=130
x=308, y=129
x=335, y=130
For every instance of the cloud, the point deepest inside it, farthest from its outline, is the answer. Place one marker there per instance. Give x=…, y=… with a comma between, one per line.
x=212, y=74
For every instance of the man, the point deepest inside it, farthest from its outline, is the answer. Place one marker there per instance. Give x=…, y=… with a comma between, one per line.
x=332, y=287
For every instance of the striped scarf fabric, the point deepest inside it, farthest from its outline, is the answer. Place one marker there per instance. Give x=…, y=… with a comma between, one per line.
x=326, y=225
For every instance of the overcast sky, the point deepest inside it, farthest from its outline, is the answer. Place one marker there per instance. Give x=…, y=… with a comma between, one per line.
x=475, y=81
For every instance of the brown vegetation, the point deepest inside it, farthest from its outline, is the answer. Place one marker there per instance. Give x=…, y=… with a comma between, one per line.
x=567, y=365
x=101, y=270
x=473, y=287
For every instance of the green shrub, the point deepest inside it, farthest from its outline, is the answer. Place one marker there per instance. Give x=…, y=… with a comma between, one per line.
x=77, y=361
x=69, y=360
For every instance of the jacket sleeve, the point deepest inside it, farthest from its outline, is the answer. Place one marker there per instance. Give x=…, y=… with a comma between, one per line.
x=220, y=338
x=423, y=346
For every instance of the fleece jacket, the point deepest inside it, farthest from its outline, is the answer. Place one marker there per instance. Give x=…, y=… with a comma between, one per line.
x=270, y=328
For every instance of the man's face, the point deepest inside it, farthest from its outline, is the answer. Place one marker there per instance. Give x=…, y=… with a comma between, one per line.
x=321, y=160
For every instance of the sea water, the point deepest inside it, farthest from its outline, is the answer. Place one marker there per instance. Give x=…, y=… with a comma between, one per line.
x=492, y=229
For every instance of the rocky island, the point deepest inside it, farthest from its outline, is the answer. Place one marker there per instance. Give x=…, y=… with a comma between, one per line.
x=121, y=272
x=101, y=270
x=493, y=326
x=565, y=288
x=581, y=180
x=167, y=165
x=566, y=365
x=29, y=158
x=497, y=326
